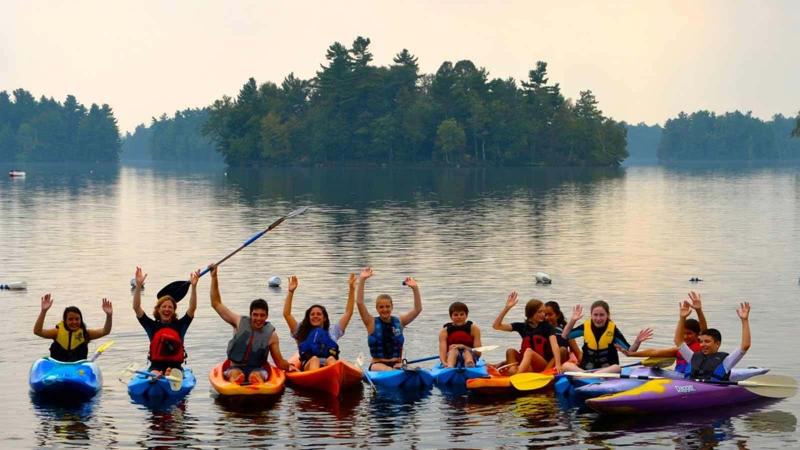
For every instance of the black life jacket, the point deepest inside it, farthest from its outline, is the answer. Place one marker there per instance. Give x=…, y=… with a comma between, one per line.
x=708, y=367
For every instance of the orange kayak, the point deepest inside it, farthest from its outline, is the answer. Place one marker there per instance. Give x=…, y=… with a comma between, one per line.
x=331, y=379
x=498, y=382
x=273, y=386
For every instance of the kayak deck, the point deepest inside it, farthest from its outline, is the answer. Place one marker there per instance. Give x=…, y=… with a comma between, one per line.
x=272, y=387
x=331, y=379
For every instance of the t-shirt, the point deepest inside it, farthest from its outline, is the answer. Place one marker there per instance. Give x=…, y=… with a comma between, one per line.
x=728, y=363
x=335, y=332
x=151, y=326
x=543, y=331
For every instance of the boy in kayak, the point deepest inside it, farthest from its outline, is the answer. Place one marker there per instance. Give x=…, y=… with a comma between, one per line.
x=601, y=336
x=539, y=350
x=165, y=331
x=458, y=338
x=691, y=332
x=70, y=336
x=709, y=363
x=316, y=339
x=253, y=339
x=385, y=331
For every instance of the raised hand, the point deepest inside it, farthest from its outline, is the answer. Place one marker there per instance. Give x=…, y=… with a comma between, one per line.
x=351, y=282
x=140, y=277
x=694, y=297
x=47, y=302
x=743, y=310
x=685, y=309
x=410, y=282
x=194, y=277
x=366, y=273
x=511, y=301
x=645, y=334
x=213, y=270
x=577, y=313
x=107, y=307
x=293, y=283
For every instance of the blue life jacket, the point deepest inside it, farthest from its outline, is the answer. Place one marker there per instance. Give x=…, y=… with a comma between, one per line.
x=386, y=340
x=318, y=343
x=709, y=367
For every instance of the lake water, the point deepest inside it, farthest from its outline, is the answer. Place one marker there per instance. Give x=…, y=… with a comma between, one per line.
x=631, y=236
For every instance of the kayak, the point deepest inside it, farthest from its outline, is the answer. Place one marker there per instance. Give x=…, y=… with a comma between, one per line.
x=150, y=390
x=458, y=376
x=667, y=395
x=499, y=383
x=331, y=379
x=57, y=380
x=415, y=379
x=272, y=387
x=618, y=385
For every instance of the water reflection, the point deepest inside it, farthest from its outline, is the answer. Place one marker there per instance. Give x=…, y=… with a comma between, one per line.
x=170, y=429
x=64, y=422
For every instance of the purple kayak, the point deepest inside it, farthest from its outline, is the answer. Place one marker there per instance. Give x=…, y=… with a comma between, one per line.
x=666, y=395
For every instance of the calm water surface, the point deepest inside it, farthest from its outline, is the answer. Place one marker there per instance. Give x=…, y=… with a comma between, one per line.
x=630, y=236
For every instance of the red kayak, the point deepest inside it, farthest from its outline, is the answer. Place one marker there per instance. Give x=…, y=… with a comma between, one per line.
x=331, y=379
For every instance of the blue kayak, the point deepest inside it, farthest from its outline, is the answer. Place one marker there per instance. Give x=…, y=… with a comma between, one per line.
x=65, y=381
x=415, y=379
x=458, y=376
x=152, y=391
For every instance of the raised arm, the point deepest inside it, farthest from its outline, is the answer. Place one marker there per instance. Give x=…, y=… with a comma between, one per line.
x=443, y=349
x=277, y=357
x=97, y=333
x=744, y=314
x=683, y=313
x=577, y=313
x=368, y=320
x=697, y=305
x=645, y=334
x=650, y=352
x=216, y=301
x=409, y=317
x=137, y=292
x=194, y=277
x=287, y=304
x=498, y=322
x=38, y=326
x=351, y=300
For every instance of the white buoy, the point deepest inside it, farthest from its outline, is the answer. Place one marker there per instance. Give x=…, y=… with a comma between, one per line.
x=16, y=286
x=542, y=278
x=274, y=282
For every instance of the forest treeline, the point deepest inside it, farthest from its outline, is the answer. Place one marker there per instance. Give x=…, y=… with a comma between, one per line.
x=733, y=136
x=176, y=138
x=353, y=110
x=48, y=130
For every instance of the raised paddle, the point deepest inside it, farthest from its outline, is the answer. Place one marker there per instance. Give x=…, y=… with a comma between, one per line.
x=485, y=348
x=105, y=346
x=531, y=381
x=178, y=289
x=773, y=386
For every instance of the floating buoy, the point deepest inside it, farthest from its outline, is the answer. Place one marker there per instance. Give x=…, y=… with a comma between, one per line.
x=542, y=278
x=274, y=282
x=695, y=280
x=17, y=286
x=133, y=283
x=16, y=174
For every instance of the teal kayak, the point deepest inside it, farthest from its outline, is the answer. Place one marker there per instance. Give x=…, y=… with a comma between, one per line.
x=65, y=381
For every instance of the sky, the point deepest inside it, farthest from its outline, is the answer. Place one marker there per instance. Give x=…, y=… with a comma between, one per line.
x=645, y=61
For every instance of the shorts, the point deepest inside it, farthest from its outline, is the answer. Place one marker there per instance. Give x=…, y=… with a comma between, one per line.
x=247, y=371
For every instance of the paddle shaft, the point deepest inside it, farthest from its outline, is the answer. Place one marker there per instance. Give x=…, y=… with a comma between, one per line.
x=485, y=348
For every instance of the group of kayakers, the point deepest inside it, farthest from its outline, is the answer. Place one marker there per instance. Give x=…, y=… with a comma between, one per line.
x=548, y=340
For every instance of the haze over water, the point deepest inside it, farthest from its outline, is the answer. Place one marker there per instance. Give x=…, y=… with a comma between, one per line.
x=631, y=236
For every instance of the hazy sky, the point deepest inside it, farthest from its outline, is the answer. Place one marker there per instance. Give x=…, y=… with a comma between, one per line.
x=644, y=60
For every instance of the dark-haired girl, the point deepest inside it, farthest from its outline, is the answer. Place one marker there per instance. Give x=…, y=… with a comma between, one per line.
x=316, y=339
x=554, y=316
x=70, y=336
x=539, y=348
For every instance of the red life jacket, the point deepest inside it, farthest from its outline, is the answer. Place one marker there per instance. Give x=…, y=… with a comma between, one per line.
x=460, y=334
x=167, y=346
x=536, y=343
x=681, y=364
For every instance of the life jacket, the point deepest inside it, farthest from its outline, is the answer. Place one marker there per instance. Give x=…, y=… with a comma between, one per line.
x=167, y=346
x=597, y=354
x=681, y=365
x=460, y=334
x=708, y=367
x=70, y=346
x=250, y=347
x=535, y=342
x=386, y=340
x=318, y=343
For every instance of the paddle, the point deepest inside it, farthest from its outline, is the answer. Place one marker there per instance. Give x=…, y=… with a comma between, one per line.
x=175, y=376
x=485, y=348
x=773, y=386
x=360, y=362
x=100, y=350
x=531, y=381
x=178, y=289
x=16, y=286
